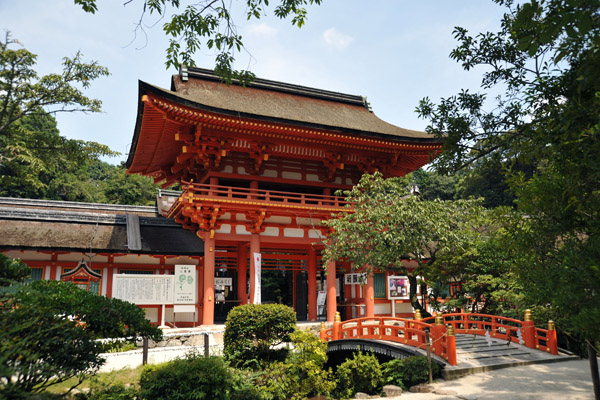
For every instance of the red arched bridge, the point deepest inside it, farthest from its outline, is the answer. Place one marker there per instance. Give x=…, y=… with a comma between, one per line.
x=441, y=330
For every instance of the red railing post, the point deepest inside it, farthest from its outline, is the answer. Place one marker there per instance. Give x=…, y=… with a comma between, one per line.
x=336, y=326
x=529, y=330
x=323, y=332
x=451, y=346
x=551, y=340
x=437, y=332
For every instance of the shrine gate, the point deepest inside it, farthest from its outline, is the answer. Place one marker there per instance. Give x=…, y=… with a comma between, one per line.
x=259, y=167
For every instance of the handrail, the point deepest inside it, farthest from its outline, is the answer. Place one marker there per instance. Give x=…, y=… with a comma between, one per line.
x=261, y=195
x=504, y=328
x=442, y=328
x=401, y=330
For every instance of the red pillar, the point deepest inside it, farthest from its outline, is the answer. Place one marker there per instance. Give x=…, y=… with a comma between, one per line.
x=312, y=284
x=208, y=302
x=552, y=340
x=242, y=267
x=254, y=248
x=370, y=297
x=331, y=292
x=451, y=346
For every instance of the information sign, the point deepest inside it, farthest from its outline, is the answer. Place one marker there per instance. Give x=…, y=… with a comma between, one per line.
x=144, y=289
x=185, y=284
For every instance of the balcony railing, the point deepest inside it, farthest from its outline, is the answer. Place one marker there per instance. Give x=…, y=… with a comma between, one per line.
x=305, y=200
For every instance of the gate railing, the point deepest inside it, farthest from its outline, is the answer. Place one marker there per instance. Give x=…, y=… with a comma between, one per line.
x=442, y=329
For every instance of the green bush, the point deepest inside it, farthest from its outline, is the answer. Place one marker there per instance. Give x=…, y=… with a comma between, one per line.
x=112, y=392
x=195, y=377
x=409, y=371
x=253, y=330
x=302, y=375
x=362, y=373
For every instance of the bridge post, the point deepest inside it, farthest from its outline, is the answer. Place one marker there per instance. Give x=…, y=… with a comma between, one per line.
x=552, y=342
x=323, y=332
x=529, y=330
x=451, y=350
x=437, y=333
x=335, y=333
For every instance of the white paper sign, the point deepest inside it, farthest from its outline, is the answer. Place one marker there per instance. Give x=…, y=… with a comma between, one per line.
x=257, y=264
x=185, y=284
x=144, y=289
x=220, y=281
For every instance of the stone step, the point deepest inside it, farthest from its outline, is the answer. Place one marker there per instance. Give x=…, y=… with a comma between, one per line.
x=507, y=356
x=495, y=350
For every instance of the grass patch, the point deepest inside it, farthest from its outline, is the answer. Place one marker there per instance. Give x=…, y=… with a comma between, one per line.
x=125, y=376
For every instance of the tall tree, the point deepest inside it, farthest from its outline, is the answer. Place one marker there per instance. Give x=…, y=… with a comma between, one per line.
x=32, y=152
x=387, y=228
x=546, y=60
x=208, y=24
x=23, y=93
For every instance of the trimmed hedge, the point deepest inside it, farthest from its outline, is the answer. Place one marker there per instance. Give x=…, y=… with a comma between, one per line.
x=195, y=377
x=253, y=330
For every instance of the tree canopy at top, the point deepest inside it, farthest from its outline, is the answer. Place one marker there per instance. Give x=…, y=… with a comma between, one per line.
x=209, y=24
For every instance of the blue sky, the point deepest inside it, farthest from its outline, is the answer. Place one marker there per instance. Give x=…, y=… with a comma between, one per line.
x=394, y=52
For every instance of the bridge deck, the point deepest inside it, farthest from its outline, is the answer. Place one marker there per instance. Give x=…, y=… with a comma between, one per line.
x=474, y=355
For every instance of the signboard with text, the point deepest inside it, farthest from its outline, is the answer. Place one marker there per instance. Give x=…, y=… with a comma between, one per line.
x=144, y=289
x=185, y=284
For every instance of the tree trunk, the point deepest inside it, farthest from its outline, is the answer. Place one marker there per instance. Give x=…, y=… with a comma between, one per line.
x=594, y=370
x=414, y=299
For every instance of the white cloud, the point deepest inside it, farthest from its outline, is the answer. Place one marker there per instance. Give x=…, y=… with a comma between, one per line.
x=262, y=29
x=335, y=39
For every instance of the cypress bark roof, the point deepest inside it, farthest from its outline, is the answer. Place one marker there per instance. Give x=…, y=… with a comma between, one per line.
x=54, y=225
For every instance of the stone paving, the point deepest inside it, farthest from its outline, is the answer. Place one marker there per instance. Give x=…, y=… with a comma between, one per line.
x=474, y=354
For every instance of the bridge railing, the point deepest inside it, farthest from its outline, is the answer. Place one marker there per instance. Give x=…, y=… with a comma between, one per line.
x=442, y=328
x=406, y=331
x=504, y=328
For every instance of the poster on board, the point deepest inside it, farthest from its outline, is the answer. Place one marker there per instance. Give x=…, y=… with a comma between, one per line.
x=185, y=284
x=397, y=287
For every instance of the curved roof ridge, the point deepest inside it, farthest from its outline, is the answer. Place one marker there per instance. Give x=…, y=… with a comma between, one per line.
x=290, y=88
